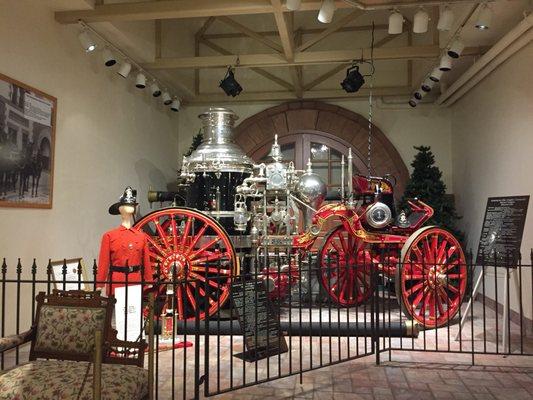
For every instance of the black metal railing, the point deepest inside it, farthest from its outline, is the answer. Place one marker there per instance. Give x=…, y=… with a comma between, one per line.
x=284, y=316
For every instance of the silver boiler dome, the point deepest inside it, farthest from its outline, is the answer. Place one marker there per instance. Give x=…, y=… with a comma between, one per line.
x=217, y=152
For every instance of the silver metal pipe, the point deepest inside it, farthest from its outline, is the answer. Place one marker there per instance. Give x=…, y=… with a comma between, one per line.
x=350, y=177
x=342, y=177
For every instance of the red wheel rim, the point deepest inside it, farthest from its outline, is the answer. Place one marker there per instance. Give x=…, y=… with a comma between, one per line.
x=345, y=269
x=200, y=252
x=433, y=277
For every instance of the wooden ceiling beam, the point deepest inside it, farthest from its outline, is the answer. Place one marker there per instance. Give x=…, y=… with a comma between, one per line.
x=286, y=37
x=332, y=28
x=313, y=31
x=305, y=58
x=259, y=71
x=210, y=98
x=250, y=33
x=340, y=67
x=177, y=9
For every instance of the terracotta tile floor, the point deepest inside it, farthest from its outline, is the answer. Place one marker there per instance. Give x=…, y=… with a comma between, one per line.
x=408, y=375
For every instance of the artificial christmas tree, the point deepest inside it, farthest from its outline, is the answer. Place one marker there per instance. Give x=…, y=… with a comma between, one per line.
x=196, y=141
x=426, y=184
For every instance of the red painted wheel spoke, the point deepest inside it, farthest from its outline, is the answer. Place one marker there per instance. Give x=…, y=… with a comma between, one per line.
x=210, y=258
x=206, y=246
x=212, y=270
x=343, y=243
x=441, y=254
x=181, y=314
x=336, y=247
x=416, y=288
x=192, y=302
x=186, y=230
x=208, y=267
x=197, y=237
x=156, y=246
x=162, y=234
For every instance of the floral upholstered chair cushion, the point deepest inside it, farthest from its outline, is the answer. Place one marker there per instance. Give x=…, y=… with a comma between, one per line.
x=68, y=329
x=53, y=379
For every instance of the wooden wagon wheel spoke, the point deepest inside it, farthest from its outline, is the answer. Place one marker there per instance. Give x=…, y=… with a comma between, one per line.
x=433, y=297
x=182, y=256
x=351, y=267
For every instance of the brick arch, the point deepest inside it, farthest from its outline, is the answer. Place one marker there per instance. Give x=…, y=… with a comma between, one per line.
x=301, y=116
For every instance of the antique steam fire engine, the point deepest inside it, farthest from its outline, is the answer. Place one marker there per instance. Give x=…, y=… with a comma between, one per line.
x=238, y=212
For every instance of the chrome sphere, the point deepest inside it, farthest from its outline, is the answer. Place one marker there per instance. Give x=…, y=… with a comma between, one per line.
x=311, y=189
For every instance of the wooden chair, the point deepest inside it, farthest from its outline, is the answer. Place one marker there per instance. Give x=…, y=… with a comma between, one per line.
x=72, y=343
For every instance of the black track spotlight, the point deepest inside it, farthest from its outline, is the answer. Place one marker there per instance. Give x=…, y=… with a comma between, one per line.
x=354, y=80
x=229, y=85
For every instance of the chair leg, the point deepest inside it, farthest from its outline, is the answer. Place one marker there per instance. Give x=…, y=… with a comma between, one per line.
x=97, y=368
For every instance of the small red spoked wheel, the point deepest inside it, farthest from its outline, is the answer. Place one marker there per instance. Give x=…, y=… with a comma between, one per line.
x=431, y=279
x=345, y=268
x=197, y=250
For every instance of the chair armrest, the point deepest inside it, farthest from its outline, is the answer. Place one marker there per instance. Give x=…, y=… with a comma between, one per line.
x=124, y=352
x=10, y=342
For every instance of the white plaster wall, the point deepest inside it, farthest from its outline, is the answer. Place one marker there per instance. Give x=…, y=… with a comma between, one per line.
x=405, y=127
x=492, y=144
x=108, y=135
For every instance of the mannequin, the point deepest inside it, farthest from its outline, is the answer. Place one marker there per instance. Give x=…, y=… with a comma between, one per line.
x=124, y=253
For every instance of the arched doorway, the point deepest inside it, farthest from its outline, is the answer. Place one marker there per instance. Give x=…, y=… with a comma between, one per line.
x=323, y=132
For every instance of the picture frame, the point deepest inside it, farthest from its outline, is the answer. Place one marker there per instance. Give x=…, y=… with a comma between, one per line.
x=71, y=276
x=27, y=144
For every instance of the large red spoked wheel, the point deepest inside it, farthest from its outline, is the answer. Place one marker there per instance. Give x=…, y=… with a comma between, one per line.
x=431, y=279
x=200, y=252
x=345, y=268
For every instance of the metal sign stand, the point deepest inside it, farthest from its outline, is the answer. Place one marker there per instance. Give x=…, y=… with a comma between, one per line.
x=506, y=305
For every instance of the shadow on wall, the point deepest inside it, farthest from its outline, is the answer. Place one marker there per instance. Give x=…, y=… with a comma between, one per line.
x=149, y=177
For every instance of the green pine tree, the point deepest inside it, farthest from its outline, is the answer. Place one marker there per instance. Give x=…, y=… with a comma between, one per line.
x=425, y=183
x=196, y=141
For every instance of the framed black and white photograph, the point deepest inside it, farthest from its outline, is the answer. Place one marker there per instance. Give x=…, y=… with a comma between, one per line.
x=27, y=139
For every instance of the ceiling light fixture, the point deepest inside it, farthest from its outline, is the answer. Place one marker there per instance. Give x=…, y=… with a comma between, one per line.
x=327, y=9
x=175, y=106
x=445, y=63
x=167, y=100
x=419, y=94
x=456, y=48
x=427, y=85
x=436, y=75
x=154, y=89
x=108, y=57
x=445, y=19
x=140, y=81
x=293, y=5
x=353, y=81
x=413, y=101
x=229, y=84
x=86, y=41
x=484, y=17
x=420, y=21
x=395, y=23
x=124, y=70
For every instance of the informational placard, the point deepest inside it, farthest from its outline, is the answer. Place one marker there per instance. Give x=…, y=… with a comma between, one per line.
x=69, y=274
x=259, y=323
x=503, y=227
x=132, y=310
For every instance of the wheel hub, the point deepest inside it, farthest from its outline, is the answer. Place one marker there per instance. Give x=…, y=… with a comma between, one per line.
x=177, y=261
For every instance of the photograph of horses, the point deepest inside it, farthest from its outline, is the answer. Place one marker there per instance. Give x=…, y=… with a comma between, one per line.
x=27, y=139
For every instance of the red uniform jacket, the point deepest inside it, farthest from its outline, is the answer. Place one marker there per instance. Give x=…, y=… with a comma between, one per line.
x=123, y=247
